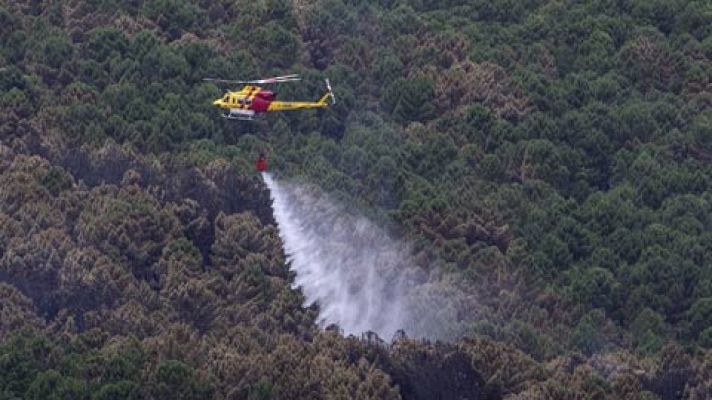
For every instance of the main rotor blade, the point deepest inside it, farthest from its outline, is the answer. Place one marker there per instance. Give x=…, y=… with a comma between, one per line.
x=279, y=79
x=276, y=79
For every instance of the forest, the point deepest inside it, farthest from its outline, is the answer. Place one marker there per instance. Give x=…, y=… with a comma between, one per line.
x=550, y=161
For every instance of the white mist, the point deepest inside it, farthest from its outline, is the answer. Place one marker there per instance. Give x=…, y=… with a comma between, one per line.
x=347, y=265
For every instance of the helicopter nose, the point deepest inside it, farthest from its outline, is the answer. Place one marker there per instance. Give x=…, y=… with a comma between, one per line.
x=217, y=102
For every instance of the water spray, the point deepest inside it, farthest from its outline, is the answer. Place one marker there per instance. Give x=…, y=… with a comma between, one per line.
x=343, y=262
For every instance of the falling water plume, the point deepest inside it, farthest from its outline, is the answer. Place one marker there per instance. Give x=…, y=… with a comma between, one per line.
x=359, y=276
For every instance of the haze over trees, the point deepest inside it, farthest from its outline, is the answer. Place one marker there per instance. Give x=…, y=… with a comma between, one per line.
x=550, y=162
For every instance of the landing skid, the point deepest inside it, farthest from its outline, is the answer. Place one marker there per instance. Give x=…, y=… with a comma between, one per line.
x=238, y=118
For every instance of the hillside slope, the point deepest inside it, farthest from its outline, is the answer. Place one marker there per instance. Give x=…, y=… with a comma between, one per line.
x=549, y=162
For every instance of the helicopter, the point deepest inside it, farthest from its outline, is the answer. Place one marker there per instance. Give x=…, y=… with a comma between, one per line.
x=251, y=100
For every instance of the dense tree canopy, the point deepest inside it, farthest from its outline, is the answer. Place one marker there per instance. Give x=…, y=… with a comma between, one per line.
x=550, y=162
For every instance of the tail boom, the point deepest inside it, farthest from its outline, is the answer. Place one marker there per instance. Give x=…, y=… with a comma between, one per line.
x=300, y=105
x=295, y=105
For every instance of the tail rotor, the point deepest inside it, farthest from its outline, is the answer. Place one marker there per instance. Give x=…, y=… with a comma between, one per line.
x=329, y=91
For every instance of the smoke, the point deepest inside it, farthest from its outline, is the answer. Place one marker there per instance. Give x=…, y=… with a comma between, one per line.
x=362, y=279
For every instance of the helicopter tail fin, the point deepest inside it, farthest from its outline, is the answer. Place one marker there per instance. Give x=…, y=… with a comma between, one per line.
x=329, y=93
